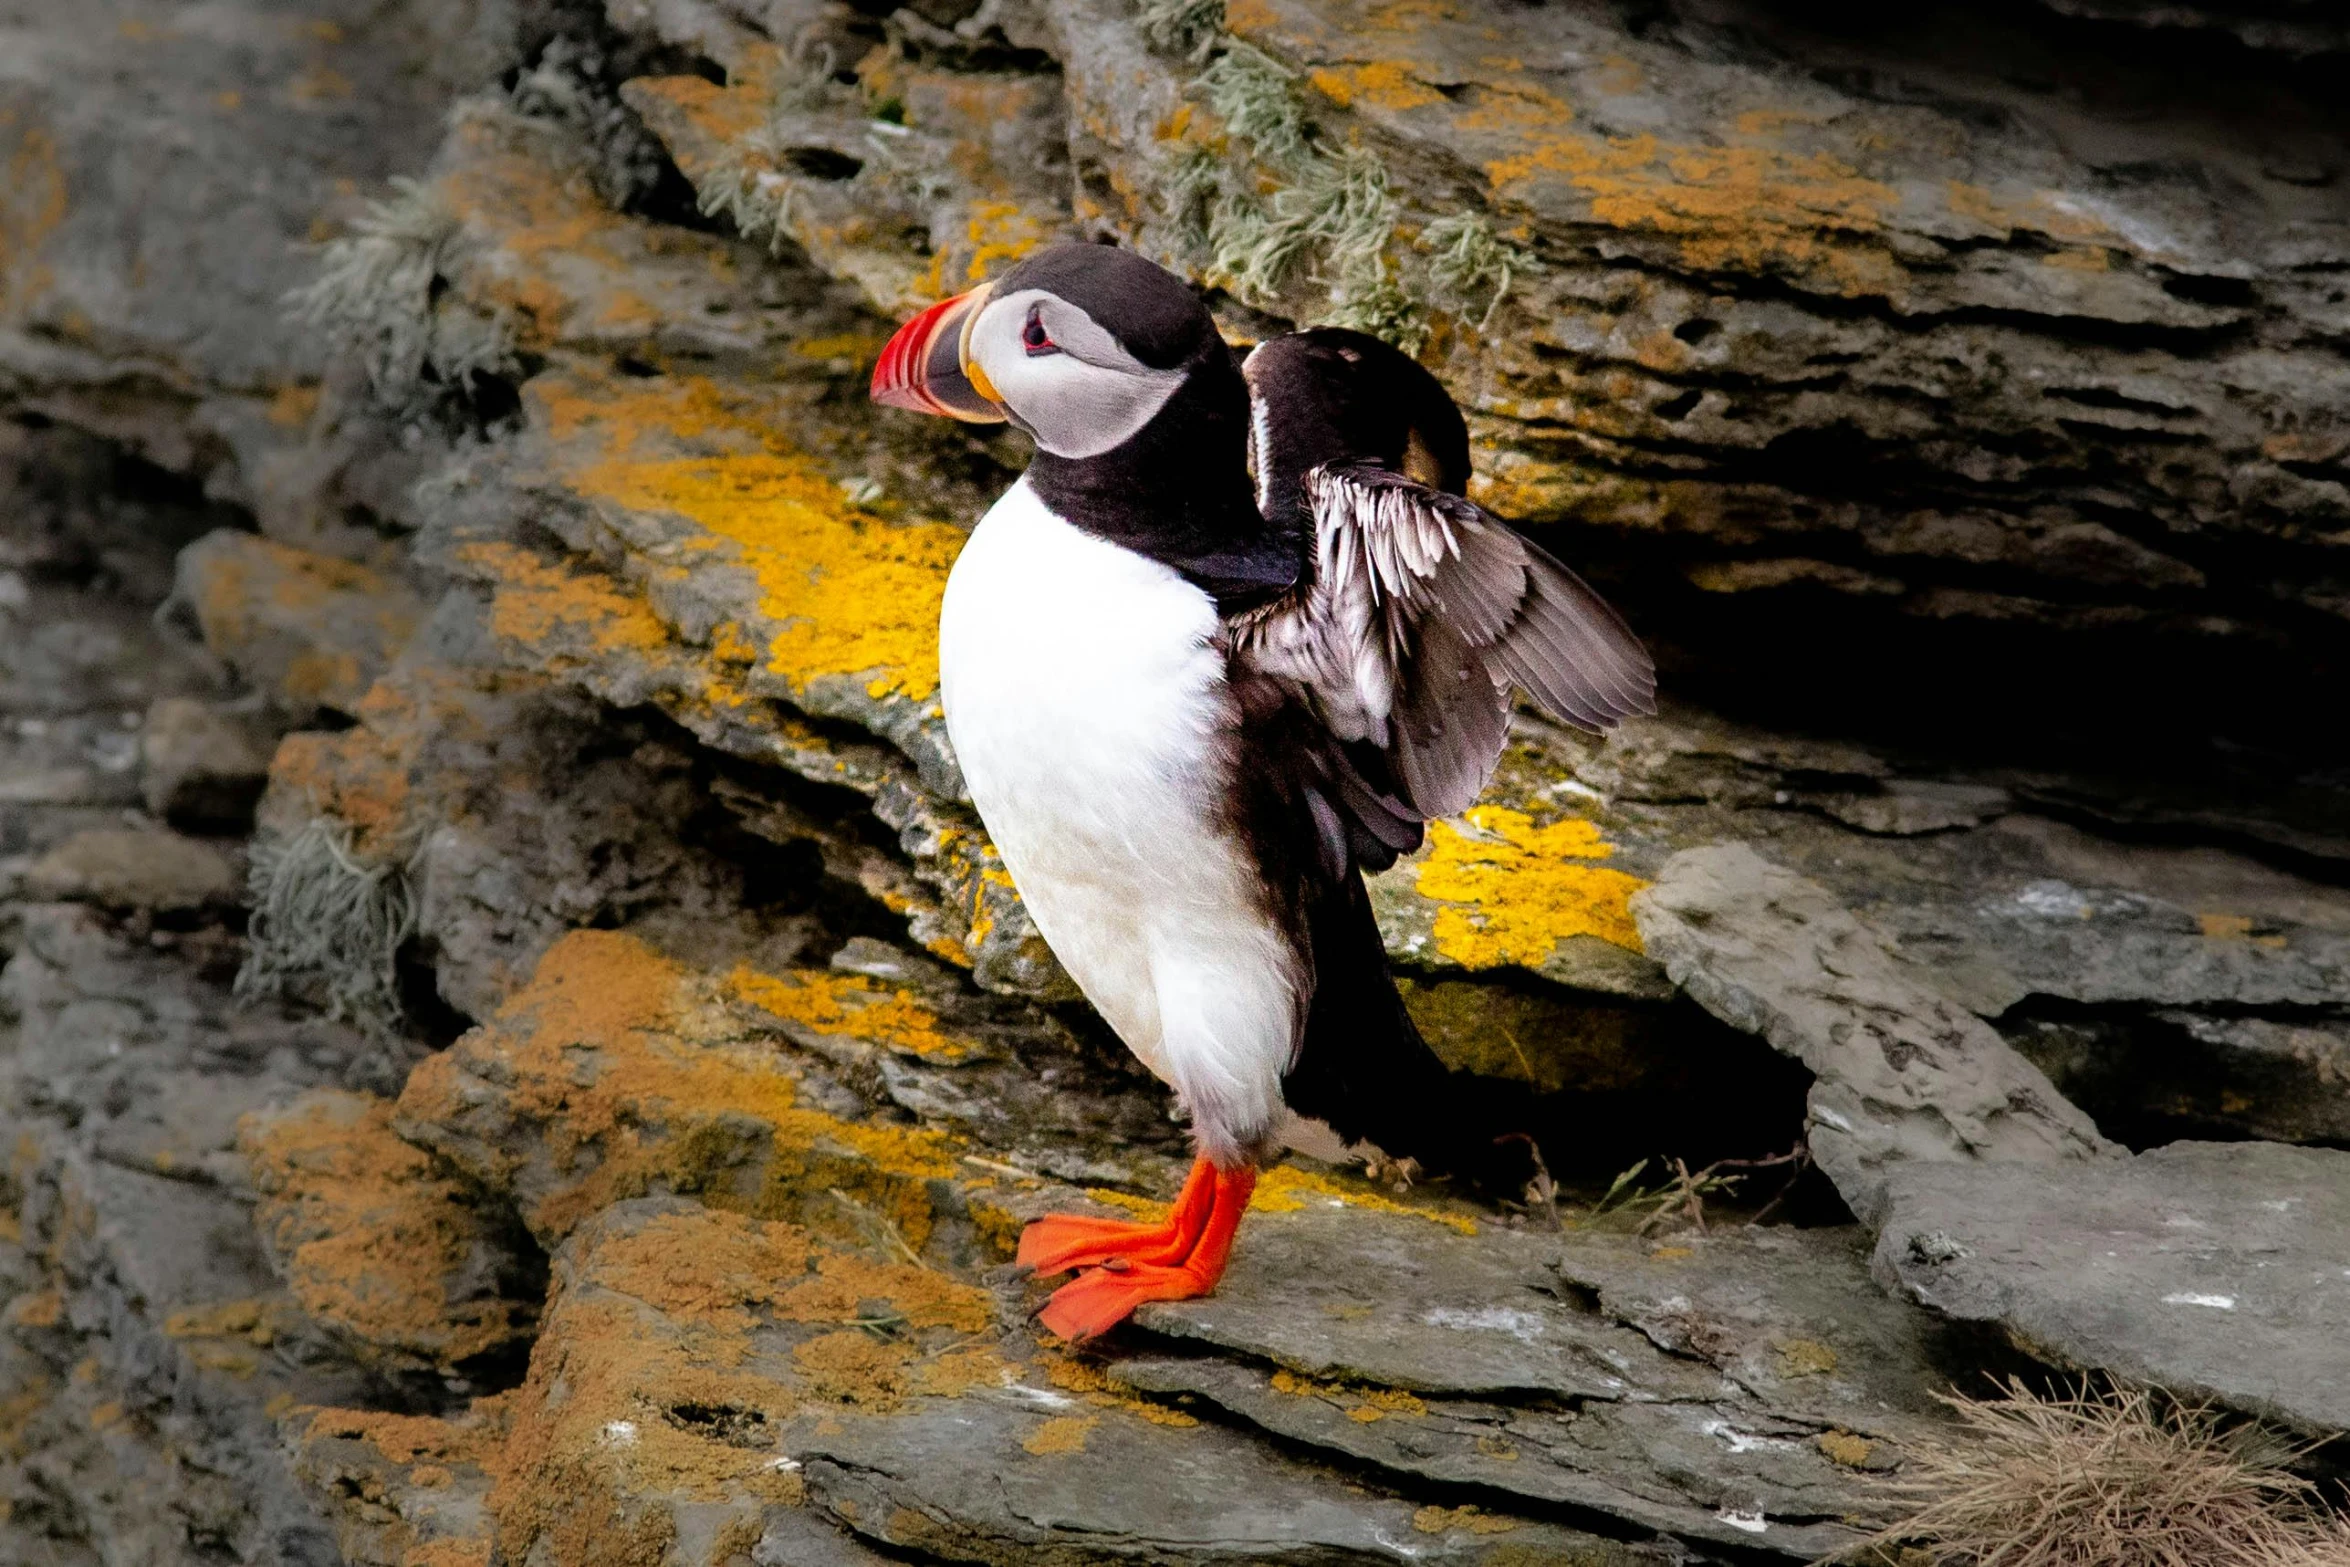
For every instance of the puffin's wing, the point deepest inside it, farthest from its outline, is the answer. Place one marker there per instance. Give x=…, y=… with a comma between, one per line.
x=1421, y=612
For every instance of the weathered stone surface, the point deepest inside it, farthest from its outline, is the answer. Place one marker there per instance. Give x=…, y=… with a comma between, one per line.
x=2213, y=1269
x=134, y=868
x=312, y=630
x=1009, y=1481
x=1901, y=1073
x=200, y=766
x=1822, y=337
x=1724, y=1388
x=374, y=1242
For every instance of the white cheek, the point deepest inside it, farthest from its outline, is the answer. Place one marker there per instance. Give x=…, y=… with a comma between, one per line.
x=1079, y=410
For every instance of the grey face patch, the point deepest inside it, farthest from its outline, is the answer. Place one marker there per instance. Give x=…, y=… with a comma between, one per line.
x=1085, y=396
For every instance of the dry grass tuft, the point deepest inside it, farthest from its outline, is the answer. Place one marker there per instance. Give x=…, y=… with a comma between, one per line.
x=2120, y=1477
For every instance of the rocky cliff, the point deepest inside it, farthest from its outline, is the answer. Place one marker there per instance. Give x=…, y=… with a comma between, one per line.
x=516, y=1049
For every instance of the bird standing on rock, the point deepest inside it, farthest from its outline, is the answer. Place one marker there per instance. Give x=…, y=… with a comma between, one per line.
x=1230, y=641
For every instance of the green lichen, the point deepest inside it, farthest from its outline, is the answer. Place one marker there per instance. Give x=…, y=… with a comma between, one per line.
x=326, y=926
x=570, y=87
x=382, y=296
x=1467, y=259
x=1330, y=217
x=1187, y=29
x=1257, y=100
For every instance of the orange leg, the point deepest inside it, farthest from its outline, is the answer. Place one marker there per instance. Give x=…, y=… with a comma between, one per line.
x=1098, y=1300
x=1059, y=1242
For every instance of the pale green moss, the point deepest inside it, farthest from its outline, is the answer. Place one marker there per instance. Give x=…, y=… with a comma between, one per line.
x=327, y=926
x=1331, y=217
x=1185, y=28
x=1467, y=260
x=381, y=296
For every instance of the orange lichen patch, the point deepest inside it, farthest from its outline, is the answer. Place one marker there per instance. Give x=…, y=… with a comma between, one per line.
x=1844, y=1448
x=852, y=1367
x=1436, y=1520
x=555, y=247
x=471, y=1440
x=847, y=593
x=1098, y=1388
x=633, y=1402
x=536, y=603
x=315, y=626
x=451, y=1553
x=2234, y=927
x=1364, y=1403
x=999, y=233
x=1514, y=891
x=355, y=776
x=1804, y=1357
x=32, y=205
x=39, y=1309
x=847, y=1004
x=1061, y=1434
x=1287, y=1189
x=292, y=405
x=256, y=1322
x=1739, y=203
x=370, y=1237
x=618, y=1073
x=912, y=1297
x=1382, y=84
x=719, y=113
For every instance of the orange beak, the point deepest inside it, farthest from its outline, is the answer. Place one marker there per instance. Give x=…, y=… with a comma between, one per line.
x=926, y=365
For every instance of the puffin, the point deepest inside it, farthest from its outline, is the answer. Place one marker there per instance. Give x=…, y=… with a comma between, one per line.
x=1231, y=640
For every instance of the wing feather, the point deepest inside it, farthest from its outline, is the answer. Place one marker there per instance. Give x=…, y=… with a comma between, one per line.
x=1420, y=613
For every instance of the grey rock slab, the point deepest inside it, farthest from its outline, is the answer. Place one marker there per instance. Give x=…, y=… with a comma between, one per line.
x=135, y=868
x=1684, y=1386
x=983, y=1479
x=201, y=765
x=1686, y=1469
x=2215, y=1270
x=1902, y=1072
x=1403, y=1302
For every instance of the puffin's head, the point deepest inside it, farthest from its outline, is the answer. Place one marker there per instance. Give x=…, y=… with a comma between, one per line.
x=1079, y=345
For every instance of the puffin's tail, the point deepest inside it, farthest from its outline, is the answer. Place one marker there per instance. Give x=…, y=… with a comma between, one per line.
x=1364, y=1069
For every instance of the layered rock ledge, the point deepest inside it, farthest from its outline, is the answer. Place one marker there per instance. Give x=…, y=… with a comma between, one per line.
x=516, y=1049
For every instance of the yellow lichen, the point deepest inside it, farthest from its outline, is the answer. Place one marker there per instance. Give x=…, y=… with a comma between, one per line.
x=1514, y=892
x=1364, y=1403
x=630, y=1078
x=1803, y=1357
x=536, y=603
x=1061, y=1434
x=1098, y=1388
x=1845, y=1448
x=1436, y=1520
x=1383, y=84
x=846, y=592
x=847, y=1004
x=1287, y=1189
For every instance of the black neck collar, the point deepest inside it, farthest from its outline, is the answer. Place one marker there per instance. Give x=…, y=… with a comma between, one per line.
x=1178, y=491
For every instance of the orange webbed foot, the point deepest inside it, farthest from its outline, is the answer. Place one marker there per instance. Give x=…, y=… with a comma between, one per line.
x=1059, y=1242
x=1182, y=1267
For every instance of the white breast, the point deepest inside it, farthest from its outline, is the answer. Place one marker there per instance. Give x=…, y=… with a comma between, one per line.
x=1084, y=693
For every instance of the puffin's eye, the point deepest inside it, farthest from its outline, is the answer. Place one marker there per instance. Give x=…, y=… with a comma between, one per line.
x=1034, y=337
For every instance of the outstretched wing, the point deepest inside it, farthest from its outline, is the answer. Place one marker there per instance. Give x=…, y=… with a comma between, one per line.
x=1420, y=612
